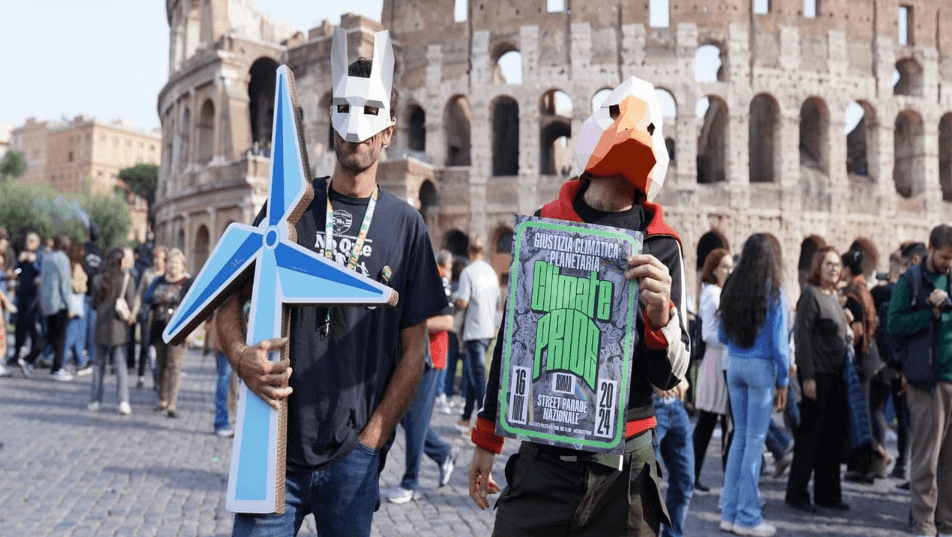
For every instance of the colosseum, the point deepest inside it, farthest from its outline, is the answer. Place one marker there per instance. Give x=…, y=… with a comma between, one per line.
x=812, y=120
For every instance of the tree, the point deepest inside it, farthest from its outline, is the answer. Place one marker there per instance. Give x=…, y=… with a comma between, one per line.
x=39, y=208
x=111, y=214
x=143, y=179
x=12, y=166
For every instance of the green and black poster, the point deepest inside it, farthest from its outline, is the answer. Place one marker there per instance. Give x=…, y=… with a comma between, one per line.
x=568, y=334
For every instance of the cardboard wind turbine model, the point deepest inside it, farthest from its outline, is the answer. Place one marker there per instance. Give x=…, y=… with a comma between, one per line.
x=285, y=273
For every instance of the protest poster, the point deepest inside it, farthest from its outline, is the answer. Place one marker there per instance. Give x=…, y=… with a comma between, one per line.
x=568, y=335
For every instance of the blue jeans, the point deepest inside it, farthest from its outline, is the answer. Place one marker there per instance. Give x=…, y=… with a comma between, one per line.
x=343, y=498
x=76, y=341
x=778, y=443
x=474, y=375
x=421, y=438
x=750, y=383
x=90, y=329
x=676, y=448
x=222, y=384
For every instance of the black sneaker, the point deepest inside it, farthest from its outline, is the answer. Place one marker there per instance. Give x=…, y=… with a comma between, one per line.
x=701, y=488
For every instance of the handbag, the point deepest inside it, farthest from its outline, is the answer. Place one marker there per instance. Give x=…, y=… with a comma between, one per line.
x=122, y=307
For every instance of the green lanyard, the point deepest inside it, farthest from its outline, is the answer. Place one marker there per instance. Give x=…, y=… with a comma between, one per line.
x=358, y=244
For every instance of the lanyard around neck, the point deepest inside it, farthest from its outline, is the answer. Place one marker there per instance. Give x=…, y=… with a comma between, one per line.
x=361, y=236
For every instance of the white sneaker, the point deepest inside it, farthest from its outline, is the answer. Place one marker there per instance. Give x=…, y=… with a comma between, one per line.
x=400, y=495
x=124, y=409
x=727, y=526
x=4, y=372
x=62, y=376
x=761, y=530
x=84, y=371
x=94, y=406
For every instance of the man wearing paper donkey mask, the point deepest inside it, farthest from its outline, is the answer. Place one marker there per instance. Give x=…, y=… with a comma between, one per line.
x=623, y=160
x=352, y=371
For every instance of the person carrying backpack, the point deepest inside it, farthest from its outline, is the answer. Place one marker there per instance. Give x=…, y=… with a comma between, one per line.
x=920, y=318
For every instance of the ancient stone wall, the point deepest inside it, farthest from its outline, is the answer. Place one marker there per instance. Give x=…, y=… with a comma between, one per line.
x=761, y=102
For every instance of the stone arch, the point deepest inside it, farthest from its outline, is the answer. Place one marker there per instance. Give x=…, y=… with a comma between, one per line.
x=504, y=117
x=416, y=128
x=945, y=156
x=814, y=134
x=507, y=64
x=909, y=154
x=709, y=63
x=185, y=127
x=910, y=78
x=456, y=242
x=193, y=27
x=808, y=248
x=180, y=240
x=861, y=138
x=261, y=101
x=709, y=242
x=599, y=98
x=669, y=114
x=324, y=116
x=712, y=140
x=501, y=253
x=457, y=121
x=764, y=135
x=200, y=248
x=429, y=202
x=206, y=132
x=555, y=124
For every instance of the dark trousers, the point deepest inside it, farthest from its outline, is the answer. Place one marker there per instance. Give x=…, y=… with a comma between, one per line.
x=55, y=336
x=702, y=438
x=819, y=443
x=26, y=324
x=902, y=423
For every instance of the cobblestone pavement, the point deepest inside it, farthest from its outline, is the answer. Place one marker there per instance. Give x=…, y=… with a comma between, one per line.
x=67, y=471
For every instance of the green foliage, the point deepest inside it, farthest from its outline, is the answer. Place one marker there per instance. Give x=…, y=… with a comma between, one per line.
x=40, y=208
x=12, y=166
x=143, y=179
x=112, y=216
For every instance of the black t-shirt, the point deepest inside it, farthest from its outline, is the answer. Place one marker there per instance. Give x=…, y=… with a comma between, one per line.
x=340, y=379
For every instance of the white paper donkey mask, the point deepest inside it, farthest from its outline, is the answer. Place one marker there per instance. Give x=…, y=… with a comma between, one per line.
x=361, y=106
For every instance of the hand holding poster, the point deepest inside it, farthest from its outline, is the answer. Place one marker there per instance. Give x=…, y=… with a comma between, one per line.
x=568, y=334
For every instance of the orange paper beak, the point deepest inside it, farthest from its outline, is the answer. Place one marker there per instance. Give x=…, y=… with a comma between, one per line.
x=625, y=149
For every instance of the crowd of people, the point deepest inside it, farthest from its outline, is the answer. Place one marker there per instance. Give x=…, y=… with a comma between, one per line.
x=829, y=361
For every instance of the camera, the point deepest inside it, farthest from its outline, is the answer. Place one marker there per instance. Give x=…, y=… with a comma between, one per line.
x=946, y=306
x=882, y=276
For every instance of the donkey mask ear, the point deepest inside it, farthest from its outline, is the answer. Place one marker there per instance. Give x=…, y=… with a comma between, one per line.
x=339, y=60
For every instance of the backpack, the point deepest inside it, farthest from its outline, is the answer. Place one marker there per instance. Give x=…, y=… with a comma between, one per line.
x=914, y=353
x=698, y=347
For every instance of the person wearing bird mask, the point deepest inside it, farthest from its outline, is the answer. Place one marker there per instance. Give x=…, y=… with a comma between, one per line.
x=622, y=161
x=350, y=372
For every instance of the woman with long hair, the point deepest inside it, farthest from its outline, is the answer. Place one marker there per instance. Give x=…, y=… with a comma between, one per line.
x=754, y=328
x=111, y=333
x=711, y=385
x=821, y=339
x=167, y=293
x=76, y=323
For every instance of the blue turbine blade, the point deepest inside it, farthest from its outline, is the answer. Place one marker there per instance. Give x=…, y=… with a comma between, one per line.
x=288, y=179
x=234, y=252
x=307, y=277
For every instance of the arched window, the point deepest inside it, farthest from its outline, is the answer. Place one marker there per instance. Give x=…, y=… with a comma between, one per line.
x=200, y=249
x=261, y=101
x=206, y=132
x=764, y=132
x=712, y=140
x=185, y=127
x=505, y=136
x=502, y=254
x=428, y=201
x=814, y=134
x=457, y=119
x=860, y=129
x=669, y=114
x=416, y=130
x=555, y=123
x=945, y=156
x=909, y=154
x=909, y=81
x=709, y=242
x=599, y=98
x=508, y=68
x=708, y=64
x=456, y=242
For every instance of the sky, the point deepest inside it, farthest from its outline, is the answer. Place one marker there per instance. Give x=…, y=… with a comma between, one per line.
x=108, y=58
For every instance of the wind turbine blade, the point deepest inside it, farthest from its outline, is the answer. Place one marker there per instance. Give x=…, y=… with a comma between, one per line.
x=289, y=182
x=309, y=278
x=226, y=265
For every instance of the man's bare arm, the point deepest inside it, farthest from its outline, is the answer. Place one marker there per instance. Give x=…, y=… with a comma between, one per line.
x=440, y=323
x=268, y=380
x=401, y=390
